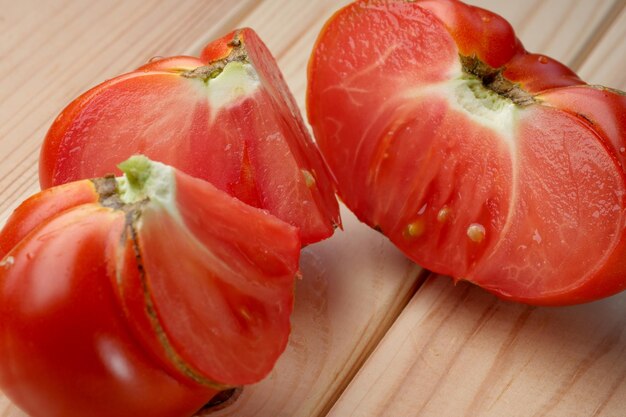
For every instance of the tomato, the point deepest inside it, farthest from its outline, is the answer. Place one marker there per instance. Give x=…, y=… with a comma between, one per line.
x=226, y=117
x=140, y=295
x=476, y=158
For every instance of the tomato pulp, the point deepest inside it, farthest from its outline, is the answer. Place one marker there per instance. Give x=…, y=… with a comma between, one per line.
x=478, y=159
x=226, y=117
x=140, y=295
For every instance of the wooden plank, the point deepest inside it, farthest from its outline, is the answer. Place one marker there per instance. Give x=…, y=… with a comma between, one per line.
x=458, y=351
x=605, y=64
x=353, y=285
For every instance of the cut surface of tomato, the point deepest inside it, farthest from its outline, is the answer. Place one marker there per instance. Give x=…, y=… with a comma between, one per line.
x=227, y=117
x=476, y=158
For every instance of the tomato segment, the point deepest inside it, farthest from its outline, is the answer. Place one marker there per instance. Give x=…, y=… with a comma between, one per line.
x=568, y=215
x=476, y=158
x=226, y=117
x=141, y=295
x=245, y=288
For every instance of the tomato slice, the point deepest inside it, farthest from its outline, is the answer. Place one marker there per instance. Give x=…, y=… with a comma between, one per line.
x=476, y=158
x=231, y=268
x=227, y=117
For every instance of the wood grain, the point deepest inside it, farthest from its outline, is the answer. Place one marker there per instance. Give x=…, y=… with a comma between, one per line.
x=355, y=284
x=605, y=64
x=458, y=351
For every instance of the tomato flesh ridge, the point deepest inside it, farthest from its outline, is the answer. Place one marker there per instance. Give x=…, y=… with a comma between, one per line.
x=307, y=161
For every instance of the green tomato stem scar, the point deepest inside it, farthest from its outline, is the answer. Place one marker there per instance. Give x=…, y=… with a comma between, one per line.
x=144, y=179
x=137, y=170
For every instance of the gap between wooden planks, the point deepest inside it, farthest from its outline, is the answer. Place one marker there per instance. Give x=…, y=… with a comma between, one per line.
x=458, y=351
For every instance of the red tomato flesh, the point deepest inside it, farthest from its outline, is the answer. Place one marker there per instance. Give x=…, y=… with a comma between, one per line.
x=227, y=117
x=476, y=158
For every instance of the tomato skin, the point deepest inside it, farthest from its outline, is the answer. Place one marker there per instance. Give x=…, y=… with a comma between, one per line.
x=236, y=127
x=478, y=159
x=70, y=349
x=41, y=207
x=90, y=326
x=476, y=31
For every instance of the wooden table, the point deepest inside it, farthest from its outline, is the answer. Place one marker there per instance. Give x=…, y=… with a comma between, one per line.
x=373, y=335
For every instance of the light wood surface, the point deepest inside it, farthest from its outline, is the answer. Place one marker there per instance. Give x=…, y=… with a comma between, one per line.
x=457, y=351
x=453, y=350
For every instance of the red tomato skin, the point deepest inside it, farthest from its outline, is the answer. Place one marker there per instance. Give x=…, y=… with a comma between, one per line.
x=255, y=148
x=172, y=64
x=86, y=288
x=42, y=206
x=476, y=31
x=489, y=37
x=72, y=352
x=393, y=147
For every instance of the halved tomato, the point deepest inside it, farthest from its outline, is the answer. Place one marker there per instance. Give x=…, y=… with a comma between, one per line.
x=476, y=158
x=226, y=117
x=140, y=295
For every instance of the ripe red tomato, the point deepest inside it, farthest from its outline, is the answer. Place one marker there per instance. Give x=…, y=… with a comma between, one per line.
x=226, y=117
x=476, y=158
x=140, y=296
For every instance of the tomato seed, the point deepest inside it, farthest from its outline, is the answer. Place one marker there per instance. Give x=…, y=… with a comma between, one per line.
x=476, y=232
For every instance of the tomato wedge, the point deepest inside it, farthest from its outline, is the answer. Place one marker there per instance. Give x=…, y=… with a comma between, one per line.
x=478, y=159
x=140, y=295
x=226, y=117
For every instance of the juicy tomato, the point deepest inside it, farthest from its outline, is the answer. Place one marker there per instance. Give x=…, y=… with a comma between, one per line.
x=478, y=159
x=142, y=295
x=226, y=117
